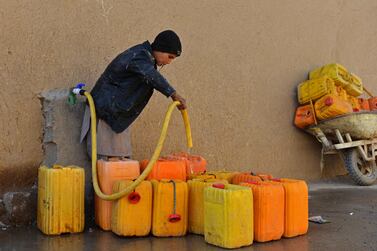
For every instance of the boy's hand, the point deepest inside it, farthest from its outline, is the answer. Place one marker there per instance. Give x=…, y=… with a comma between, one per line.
x=176, y=97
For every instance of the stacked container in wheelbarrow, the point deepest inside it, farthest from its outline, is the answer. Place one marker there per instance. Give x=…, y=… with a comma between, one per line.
x=244, y=177
x=330, y=106
x=195, y=164
x=166, y=169
x=355, y=88
x=268, y=202
x=196, y=203
x=170, y=206
x=373, y=103
x=61, y=199
x=312, y=90
x=350, y=82
x=305, y=116
x=356, y=107
x=364, y=104
x=108, y=173
x=296, y=207
x=228, y=216
x=132, y=214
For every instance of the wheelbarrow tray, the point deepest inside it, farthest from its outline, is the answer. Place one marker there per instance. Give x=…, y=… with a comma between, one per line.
x=360, y=125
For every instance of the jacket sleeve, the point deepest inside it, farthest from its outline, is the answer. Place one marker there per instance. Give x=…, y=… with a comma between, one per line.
x=142, y=65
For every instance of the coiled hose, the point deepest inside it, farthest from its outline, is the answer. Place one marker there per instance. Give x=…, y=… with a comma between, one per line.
x=152, y=161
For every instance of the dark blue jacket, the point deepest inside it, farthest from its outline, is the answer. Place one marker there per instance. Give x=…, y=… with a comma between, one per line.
x=126, y=86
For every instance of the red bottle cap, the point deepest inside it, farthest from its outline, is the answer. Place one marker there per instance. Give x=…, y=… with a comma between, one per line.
x=134, y=197
x=219, y=185
x=329, y=101
x=174, y=218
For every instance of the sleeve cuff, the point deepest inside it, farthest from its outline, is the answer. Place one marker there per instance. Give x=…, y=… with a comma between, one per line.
x=169, y=91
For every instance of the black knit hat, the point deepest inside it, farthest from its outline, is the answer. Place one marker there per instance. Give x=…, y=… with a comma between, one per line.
x=167, y=41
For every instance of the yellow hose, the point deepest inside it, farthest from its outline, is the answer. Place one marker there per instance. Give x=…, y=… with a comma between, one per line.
x=152, y=161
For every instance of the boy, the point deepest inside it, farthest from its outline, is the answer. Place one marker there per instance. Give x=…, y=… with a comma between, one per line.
x=124, y=89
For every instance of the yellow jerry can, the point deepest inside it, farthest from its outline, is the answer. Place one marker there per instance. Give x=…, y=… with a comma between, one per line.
x=201, y=176
x=355, y=88
x=337, y=72
x=314, y=89
x=61, y=192
x=223, y=175
x=132, y=214
x=196, y=203
x=170, y=208
x=228, y=215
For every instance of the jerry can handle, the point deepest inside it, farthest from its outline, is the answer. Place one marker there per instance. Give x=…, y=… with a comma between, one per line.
x=174, y=217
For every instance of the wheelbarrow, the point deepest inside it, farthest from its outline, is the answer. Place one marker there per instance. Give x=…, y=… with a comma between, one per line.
x=354, y=137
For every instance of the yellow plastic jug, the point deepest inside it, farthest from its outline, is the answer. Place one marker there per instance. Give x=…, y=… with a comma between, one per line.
x=337, y=72
x=355, y=88
x=314, y=89
x=228, y=215
x=170, y=206
x=61, y=199
x=132, y=214
x=196, y=203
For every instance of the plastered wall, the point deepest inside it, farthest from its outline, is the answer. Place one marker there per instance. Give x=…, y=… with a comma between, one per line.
x=240, y=64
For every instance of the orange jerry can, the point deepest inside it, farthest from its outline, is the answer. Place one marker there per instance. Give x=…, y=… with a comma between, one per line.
x=296, y=207
x=356, y=107
x=373, y=103
x=364, y=104
x=166, y=169
x=330, y=106
x=108, y=173
x=170, y=208
x=244, y=177
x=196, y=203
x=132, y=214
x=268, y=203
x=304, y=116
x=195, y=164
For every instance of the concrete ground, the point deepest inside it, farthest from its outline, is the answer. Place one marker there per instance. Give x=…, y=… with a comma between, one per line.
x=351, y=210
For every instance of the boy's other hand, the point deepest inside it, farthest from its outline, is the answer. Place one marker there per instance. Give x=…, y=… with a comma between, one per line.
x=176, y=97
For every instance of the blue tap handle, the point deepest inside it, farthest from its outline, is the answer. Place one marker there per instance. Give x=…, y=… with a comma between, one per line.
x=80, y=85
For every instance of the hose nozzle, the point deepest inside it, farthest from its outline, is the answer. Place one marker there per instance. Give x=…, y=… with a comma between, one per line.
x=78, y=89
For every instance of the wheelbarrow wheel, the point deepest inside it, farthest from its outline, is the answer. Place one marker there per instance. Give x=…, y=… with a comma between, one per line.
x=362, y=172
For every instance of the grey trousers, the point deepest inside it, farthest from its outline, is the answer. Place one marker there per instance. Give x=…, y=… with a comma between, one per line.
x=109, y=143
